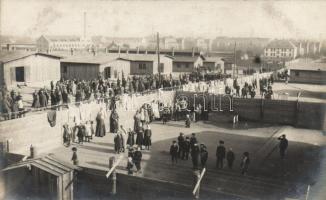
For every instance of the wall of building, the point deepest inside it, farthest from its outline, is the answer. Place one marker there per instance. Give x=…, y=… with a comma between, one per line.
x=167, y=62
x=37, y=69
x=117, y=67
x=305, y=114
x=83, y=71
x=182, y=67
x=306, y=76
x=135, y=69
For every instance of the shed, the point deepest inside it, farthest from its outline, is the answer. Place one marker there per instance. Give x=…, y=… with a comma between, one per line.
x=28, y=67
x=41, y=178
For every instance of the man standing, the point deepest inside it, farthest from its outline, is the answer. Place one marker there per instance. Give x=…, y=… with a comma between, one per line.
x=203, y=155
x=181, y=141
x=195, y=155
x=174, y=152
x=283, y=145
x=193, y=140
x=230, y=158
x=186, y=151
x=220, y=155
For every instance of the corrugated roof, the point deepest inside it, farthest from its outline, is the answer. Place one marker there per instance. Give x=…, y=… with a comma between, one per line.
x=7, y=56
x=286, y=44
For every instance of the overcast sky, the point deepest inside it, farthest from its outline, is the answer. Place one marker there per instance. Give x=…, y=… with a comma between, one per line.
x=280, y=19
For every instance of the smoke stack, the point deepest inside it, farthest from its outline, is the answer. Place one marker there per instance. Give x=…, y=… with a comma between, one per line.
x=193, y=52
x=84, y=25
x=119, y=50
x=106, y=50
x=172, y=51
x=146, y=52
x=137, y=50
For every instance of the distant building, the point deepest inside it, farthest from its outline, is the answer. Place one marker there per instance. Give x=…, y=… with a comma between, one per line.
x=62, y=43
x=28, y=67
x=18, y=47
x=308, y=48
x=280, y=50
x=255, y=46
x=187, y=64
x=171, y=43
x=303, y=71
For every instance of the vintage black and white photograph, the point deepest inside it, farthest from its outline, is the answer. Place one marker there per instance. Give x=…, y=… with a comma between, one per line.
x=162, y=100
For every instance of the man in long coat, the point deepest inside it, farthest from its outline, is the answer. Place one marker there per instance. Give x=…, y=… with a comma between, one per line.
x=114, y=122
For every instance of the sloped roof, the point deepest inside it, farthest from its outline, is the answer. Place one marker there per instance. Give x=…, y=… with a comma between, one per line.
x=211, y=59
x=47, y=163
x=91, y=59
x=286, y=44
x=70, y=38
x=185, y=59
x=7, y=56
x=310, y=66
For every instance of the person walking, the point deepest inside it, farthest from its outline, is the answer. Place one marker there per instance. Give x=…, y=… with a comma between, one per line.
x=220, y=155
x=283, y=145
x=230, y=157
x=245, y=163
x=174, y=152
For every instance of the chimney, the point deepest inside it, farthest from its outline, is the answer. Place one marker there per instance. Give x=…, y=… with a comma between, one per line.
x=106, y=50
x=8, y=47
x=193, y=52
x=172, y=51
x=137, y=50
x=146, y=52
x=119, y=51
x=127, y=51
x=72, y=51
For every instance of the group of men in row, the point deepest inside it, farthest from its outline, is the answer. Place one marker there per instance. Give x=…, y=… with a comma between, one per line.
x=186, y=146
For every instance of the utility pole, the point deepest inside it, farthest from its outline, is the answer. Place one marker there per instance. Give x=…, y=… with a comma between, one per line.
x=158, y=56
x=235, y=59
x=84, y=25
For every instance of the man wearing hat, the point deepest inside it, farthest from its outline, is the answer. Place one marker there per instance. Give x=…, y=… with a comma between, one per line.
x=283, y=145
x=220, y=155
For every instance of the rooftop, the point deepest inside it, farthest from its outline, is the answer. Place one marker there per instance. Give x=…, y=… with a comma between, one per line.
x=286, y=44
x=7, y=56
x=185, y=59
x=307, y=65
